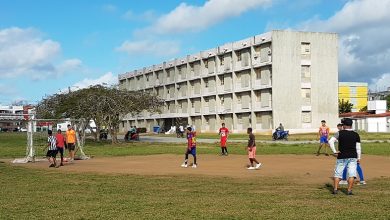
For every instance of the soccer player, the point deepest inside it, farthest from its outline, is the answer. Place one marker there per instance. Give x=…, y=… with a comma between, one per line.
x=349, y=155
x=191, y=147
x=52, y=149
x=224, y=133
x=60, y=145
x=323, y=132
x=251, y=148
x=71, y=141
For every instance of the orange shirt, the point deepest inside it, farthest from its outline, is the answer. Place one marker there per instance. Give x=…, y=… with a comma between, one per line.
x=70, y=136
x=324, y=131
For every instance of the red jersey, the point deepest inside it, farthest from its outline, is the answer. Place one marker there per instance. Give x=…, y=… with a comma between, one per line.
x=60, y=140
x=191, y=140
x=223, y=132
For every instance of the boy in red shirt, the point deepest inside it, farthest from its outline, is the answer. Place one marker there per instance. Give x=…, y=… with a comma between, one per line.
x=224, y=132
x=60, y=145
x=191, y=148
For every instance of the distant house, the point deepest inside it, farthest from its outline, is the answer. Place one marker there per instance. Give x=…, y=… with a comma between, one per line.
x=355, y=93
x=376, y=119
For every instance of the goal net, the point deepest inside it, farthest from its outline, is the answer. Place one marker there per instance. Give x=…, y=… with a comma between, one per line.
x=37, y=133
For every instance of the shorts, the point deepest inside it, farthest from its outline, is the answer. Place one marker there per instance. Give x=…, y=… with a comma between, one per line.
x=323, y=139
x=252, y=153
x=350, y=163
x=60, y=150
x=51, y=153
x=71, y=146
x=223, y=142
x=191, y=151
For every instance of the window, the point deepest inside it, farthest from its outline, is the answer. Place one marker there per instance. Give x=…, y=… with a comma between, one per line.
x=222, y=80
x=238, y=53
x=207, y=119
x=147, y=78
x=306, y=117
x=192, y=67
x=258, y=96
x=222, y=59
x=239, y=117
x=258, y=74
x=157, y=75
x=168, y=105
x=306, y=93
x=206, y=83
x=193, y=104
x=305, y=50
x=222, y=118
x=239, y=99
x=222, y=101
x=168, y=90
x=305, y=73
x=168, y=73
x=181, y=104
x=206, y=63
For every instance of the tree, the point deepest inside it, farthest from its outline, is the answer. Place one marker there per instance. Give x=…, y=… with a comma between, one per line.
x=387, y=98
x=105, y=105
x=364, y=109
x=345, y=106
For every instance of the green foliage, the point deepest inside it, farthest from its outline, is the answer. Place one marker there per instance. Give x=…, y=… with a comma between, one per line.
x=387, y=98
x=345, y=106
x=364, y=109
x=105, y=105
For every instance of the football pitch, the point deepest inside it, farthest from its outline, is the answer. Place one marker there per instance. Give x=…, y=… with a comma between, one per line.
x=145, y=181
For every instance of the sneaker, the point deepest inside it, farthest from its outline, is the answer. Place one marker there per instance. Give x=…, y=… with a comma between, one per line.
x=318, y=154
x=61, y=164
x=343, y=182
x=184, y=165
x=326, y=154
x=362, y=183
x=258, y=165
x=350, y=193
x=226, y=154
x=335, y=191
x=52, y=165
x=194, y=166
x=251, y=168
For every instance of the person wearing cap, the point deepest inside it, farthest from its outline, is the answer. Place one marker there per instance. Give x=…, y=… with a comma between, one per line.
x=323, y=133
x=52, y=149
x=348, y=154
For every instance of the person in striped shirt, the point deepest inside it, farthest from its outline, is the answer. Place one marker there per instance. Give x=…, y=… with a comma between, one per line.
x=52, y=149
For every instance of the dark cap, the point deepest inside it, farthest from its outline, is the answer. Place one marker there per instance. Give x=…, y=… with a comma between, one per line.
x=323, y=121
x=49, y=132
x=347, y=121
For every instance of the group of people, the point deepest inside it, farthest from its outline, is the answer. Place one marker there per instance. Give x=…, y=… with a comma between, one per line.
x=57, y=143
x=348, y=154
x=224, y=133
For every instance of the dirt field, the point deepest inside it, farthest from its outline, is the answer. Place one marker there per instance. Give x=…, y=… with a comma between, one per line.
x=306, y=168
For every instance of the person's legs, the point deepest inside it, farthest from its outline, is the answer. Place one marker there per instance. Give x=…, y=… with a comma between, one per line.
x=61, y=150
x=251, y=161
x=352, y=164
x=345, y=173
x=360, y=172
x=338, y=173
x=319, y=149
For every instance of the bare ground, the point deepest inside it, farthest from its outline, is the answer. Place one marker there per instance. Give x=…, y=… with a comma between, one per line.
x=297, y=168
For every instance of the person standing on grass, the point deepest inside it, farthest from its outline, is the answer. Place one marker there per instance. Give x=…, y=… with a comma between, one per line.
x=60, y=145
x=349, y=155
x=323, y=133
x=251, y=148
x=52, y=149
x=224, y=133
x=70, y=137
x=191, y=148
x=358, y=167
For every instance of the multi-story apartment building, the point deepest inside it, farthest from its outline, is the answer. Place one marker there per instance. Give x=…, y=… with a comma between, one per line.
x=355, y=93
x=276, y=77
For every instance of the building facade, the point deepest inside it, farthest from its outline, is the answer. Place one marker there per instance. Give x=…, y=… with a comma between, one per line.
x=355, y=93
x=277, y=77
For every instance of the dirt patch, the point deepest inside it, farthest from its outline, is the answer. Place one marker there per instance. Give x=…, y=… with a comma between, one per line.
x=303, y=168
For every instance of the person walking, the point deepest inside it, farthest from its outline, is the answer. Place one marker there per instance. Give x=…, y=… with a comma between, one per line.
x=224, y=133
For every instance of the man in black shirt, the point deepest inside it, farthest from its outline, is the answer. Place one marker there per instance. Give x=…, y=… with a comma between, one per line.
x=348, y=155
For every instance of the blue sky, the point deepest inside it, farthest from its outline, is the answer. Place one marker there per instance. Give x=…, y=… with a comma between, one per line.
x=47, y=46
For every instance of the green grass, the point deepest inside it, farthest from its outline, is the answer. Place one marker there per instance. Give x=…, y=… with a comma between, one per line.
x=49, y=194
x=13, y=145
x=292, y=137
x=39, y=194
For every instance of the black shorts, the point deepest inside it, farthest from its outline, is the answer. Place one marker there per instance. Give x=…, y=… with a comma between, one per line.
x=51, y=153
x=60, y=150
x=71, y=146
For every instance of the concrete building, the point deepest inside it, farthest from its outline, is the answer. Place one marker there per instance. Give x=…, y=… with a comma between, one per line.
x=276, y=77
x=10, y=117
x=378, y=95
x=355, y=93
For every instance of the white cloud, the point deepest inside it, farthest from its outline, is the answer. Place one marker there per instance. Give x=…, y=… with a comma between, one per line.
x=25, y=52
x=191, y=18
x=148, y=16
x=106, y=79
x=157, y=48
x=364, y=46
x=380, y=84
x=109, y=8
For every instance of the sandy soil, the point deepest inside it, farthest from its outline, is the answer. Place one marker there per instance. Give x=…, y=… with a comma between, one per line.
x=304, y=168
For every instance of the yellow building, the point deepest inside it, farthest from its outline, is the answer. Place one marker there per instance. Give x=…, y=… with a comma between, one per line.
x=354, y=92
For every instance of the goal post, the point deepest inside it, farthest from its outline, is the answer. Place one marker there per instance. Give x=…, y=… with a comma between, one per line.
x=37, y=132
